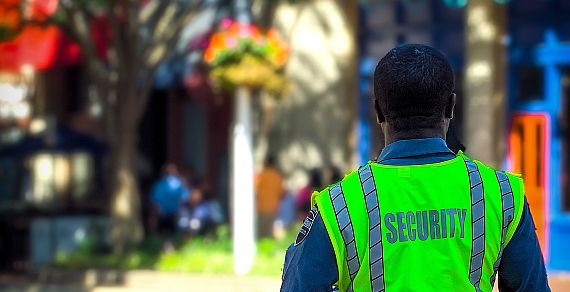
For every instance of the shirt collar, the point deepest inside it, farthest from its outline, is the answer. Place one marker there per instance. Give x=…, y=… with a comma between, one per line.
x=413, y=147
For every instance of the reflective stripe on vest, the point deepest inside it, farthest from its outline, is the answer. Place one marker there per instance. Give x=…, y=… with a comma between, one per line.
x=508, y=206
x=477, y=223
x=374, y=231
x=345, y=227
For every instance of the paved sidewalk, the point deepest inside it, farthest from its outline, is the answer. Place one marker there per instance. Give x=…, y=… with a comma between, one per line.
x=147, y=281
x=559, y=281
x=143, y=281
x=151, y=281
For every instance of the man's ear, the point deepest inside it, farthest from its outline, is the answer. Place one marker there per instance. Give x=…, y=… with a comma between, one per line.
x=450, y=108
x=379, y=116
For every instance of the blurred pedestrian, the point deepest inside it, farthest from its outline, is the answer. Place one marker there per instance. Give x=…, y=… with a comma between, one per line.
x=269, y=191
x=167, y=196
x=285, y=215
x=333, y=175
x=303, y=201
x=188, y=177
x=421, y=217
x=204, y=214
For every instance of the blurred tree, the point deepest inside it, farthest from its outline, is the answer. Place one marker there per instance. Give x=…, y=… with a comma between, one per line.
x=485, y=80
x=140, y=35
x=264, y=11
x=122, y=43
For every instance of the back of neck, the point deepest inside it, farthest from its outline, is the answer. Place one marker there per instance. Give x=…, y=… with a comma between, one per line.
x=392, y=136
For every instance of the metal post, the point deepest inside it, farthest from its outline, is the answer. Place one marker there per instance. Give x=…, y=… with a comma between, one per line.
x=243, y=220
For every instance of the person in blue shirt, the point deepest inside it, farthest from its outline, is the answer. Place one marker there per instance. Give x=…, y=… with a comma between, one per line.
x=205, y=213
x=168, y=194
x=310, y=263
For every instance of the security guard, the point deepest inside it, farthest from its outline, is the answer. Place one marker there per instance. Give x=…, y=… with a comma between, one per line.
x=421, y=218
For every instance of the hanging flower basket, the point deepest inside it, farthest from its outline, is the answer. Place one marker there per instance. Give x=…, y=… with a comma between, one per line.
x=240, y=55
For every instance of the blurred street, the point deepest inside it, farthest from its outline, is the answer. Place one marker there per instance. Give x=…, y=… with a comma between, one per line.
x=150, y=281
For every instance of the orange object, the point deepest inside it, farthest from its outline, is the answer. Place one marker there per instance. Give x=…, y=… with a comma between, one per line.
x=269, y=190
x=528, y=142
x=10, y=15
x=225, y=41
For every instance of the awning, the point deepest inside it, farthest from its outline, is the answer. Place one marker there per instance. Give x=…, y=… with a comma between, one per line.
x=65, y=140
x=39, y=47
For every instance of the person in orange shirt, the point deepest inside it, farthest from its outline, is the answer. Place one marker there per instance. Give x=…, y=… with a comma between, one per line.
x=269, y=190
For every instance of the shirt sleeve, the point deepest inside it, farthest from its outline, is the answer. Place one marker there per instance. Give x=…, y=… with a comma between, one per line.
x=185, y=193
x=522, y=265
x=311, y=265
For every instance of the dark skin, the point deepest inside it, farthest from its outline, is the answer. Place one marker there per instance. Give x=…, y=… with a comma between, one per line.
x=440, y=131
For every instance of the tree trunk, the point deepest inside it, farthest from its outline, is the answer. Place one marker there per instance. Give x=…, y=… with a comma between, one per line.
x=243, y=201
x=351, y=78
x=126, y=218
x=485, y=81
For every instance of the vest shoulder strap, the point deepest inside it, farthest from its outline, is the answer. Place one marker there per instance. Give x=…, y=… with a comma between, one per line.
x=512, y=195
x=333, y=209
x=316, y=195
x=517, y=187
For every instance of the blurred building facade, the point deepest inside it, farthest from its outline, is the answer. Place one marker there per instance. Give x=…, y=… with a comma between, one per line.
x=325, y=120
x=512, y=93
x=538, y=137
x=311, y=127
x=50, y=154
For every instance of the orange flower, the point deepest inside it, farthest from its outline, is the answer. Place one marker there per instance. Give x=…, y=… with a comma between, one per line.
x=270, y=44
x=210, y=55
x=217, y=41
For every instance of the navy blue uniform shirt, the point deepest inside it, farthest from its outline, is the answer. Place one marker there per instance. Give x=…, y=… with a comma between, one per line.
x=311, y=265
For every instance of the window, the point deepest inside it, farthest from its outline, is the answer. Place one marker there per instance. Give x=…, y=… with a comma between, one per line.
x=9, y=180
x=58, y=178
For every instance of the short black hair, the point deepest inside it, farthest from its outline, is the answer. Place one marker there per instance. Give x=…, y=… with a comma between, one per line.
x=412, y=85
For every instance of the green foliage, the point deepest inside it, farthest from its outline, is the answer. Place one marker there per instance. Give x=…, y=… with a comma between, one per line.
x=251, y=72
x=244, y=46
x=211, y=255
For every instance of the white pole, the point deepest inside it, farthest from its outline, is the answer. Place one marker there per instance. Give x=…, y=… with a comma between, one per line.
x=243, y=219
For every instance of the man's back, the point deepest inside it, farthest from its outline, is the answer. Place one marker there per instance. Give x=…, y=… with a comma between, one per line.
x=432, y=215
x=315, y=252
x=369, y=247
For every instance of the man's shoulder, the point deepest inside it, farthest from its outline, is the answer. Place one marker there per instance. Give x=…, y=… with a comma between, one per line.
x=348, y=176
x=482, y=165
x=326, y=190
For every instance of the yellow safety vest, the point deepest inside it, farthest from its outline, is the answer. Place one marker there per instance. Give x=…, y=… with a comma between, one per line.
x=432, y=227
